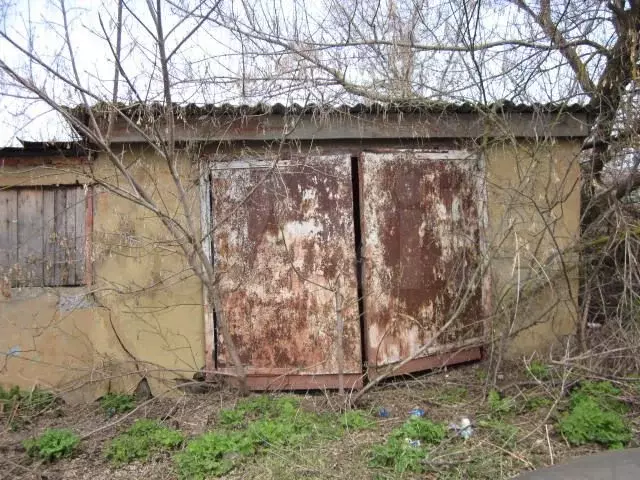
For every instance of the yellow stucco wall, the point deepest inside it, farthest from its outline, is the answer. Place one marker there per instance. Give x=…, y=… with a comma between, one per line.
x=534, y=212
x=145, y=316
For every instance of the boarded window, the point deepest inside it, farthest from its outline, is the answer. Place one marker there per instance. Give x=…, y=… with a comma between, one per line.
x=43, y=236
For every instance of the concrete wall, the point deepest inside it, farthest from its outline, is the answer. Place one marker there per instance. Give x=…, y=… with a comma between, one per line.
x=145, y=314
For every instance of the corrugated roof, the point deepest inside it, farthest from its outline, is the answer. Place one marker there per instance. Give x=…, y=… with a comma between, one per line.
x=44, y=149
x=200, y=110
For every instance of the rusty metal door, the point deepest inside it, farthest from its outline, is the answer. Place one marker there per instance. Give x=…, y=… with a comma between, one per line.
x=420, y=216
x=284, y=249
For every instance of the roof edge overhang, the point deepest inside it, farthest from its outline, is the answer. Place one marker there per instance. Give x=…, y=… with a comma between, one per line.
x=340, y=125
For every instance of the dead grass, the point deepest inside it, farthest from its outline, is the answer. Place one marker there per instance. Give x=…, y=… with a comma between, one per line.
x=502, y=445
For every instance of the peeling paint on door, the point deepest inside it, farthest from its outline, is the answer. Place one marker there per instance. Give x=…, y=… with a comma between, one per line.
x=420, y=234
x=283, y=242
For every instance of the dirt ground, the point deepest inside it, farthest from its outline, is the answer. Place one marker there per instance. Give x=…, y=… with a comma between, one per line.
x=523, y=440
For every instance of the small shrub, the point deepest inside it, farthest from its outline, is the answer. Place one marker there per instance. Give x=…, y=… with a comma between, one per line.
x=539, y=370
x=587, y=421
x=500, y=406
x=213, y=454
x=113, y=403
x=143, y=438
x=52, y=445
x=407, y=446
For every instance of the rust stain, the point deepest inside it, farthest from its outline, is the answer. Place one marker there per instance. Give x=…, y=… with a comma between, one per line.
x=280, y=255
x=420, y=246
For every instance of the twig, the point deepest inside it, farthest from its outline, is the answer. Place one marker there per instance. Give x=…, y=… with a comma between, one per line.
x=546, y=429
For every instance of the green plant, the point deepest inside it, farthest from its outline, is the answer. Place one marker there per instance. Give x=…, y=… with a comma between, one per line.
x=213, y=454
x=500, y=406
x=603, y=393
x=407, y=446
x=452, y=395
x=596, y=415
x=398, y=454
x=259, y=406
x=539, y=370
x=259, y=423
x=141, y=439
x=113, y=403
x=534, y=403
x=22, y=402
x=52, y=445
x=356, y=420
x=481, y=374
x=501, y=433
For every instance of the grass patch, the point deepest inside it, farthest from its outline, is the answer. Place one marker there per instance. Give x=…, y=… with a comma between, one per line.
x=141, y=439
x=500, y=432
x=257, y=424
x=357, y=420
x=19, y=405
x=539, y=371
x=490, y=466
x=407, y=446
x=52, y=445
x=537, y=402
x=113, y=403
x=213, y=454
x=596, y=416
x=452, y=396
x=499, y=406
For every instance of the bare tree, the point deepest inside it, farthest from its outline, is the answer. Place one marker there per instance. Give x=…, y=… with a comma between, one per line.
x=156, y=43
x=417, y=51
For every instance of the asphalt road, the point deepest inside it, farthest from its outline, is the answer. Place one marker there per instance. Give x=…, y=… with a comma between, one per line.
x=617, y=465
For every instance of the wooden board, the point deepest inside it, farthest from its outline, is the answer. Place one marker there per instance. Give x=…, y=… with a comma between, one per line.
x=30, y=237
x=80, y=234
x=50, y=237
x=8, y=232
x=42, y=236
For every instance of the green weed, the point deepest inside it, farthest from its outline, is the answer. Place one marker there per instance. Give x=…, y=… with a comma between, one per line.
x=21, y=404
x=257, y=407
x=538, y=370
x=52, y=445
x=534, y=403
x=501, y=433
x=113, y=403
x=603, y=393
x=500, y=406
x=399, y=455
x=141, y=439
x=257, y=424
x=452, y=395
x=596, y=415
x=408, y=445
x=356, y=420
x=213, y=454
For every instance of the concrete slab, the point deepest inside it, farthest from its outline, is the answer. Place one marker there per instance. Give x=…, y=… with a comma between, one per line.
x=615, y=465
